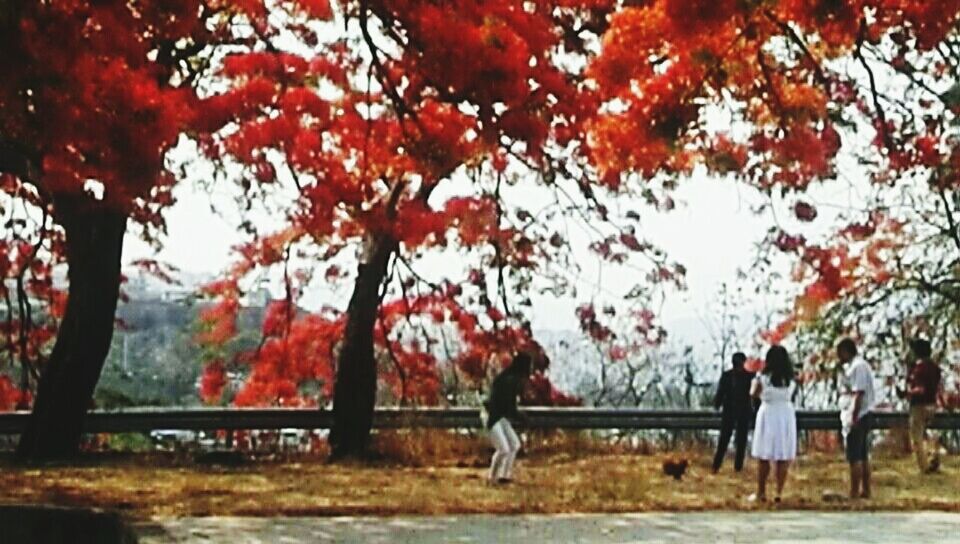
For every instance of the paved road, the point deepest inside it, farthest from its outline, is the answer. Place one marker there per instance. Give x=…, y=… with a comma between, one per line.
x=807, y=527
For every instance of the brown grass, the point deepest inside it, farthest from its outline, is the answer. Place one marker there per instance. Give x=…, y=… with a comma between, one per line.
x=439, y=448
x=561, y=473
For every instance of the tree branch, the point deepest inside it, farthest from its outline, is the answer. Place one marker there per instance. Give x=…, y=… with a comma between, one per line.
x=796, y=39
x=951, y=222
x=858, y=53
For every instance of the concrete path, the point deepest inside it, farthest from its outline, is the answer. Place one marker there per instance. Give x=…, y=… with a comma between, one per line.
x=807, y=527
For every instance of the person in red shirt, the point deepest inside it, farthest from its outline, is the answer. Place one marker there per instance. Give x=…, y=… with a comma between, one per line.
x=923, y=388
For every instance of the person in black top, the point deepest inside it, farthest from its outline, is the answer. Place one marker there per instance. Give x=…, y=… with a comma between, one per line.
x=501, y=407
x=733, y=398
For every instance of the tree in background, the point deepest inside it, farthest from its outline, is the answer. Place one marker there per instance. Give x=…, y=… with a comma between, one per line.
x=418, y=130
x=891, y=270
x=84, y=122
x=86, y=119
x=789, y=96
x=32, y=306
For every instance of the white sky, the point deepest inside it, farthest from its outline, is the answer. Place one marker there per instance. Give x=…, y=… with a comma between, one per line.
x=712, y=232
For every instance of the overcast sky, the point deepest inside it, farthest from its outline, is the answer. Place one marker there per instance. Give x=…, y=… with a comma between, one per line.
x=712, y=231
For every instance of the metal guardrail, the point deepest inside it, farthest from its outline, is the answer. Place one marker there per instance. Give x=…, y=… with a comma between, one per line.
x=205, y=419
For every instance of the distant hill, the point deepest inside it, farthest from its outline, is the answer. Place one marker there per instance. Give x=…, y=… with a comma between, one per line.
x=153, y=359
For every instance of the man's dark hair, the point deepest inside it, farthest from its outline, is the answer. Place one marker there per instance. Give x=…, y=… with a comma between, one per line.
x=738, y=359
x=921, y=348
x=522, y=363
x=847, y=345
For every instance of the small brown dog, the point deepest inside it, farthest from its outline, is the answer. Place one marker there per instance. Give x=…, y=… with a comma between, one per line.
x=675, y=467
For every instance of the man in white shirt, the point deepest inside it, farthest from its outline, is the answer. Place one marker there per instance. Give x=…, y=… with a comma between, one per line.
x=858, y=400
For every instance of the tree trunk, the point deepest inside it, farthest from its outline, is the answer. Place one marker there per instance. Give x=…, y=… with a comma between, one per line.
x=94, y=243
x=354, y=394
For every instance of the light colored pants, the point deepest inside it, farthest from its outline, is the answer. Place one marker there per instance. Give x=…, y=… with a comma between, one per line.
x=920, y=417
x=507, y=444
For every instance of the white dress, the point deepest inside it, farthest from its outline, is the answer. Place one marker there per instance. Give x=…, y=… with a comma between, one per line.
x=775, y=433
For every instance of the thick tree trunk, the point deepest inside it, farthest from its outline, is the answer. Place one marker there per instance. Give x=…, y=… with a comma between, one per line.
x=354, y=394
x=94, y=240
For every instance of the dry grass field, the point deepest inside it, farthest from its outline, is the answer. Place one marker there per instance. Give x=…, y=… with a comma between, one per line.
x=435, y=475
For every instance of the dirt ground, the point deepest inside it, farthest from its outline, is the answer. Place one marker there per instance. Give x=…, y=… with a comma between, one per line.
x=146, y=485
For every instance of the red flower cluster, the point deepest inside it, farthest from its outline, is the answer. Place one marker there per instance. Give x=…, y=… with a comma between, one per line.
x=590, y=324
x=12, y=397
x=104, y=110
x=804, y=211
x=218, y=322
x=836, y=22
x=541, y=392
x=212, y=381
x=292, y=355
x=930, y=21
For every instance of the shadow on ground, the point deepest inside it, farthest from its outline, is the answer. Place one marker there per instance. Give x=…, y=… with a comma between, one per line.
x=35, y=524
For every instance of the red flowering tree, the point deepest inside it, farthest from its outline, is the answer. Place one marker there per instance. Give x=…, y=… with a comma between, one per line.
x=30, y=250
x=93, y=96
x=415, y=133
x=888, y=271
x=785, y=95
x=85, y=120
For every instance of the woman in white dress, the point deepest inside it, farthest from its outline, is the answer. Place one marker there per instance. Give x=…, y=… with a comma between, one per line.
x=775, y=433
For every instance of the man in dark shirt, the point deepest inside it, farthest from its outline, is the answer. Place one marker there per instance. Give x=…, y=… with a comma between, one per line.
x=923, y=387
x=733, y=397
x=501, y=407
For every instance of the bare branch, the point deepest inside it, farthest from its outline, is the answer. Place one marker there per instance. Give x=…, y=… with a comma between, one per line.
x=858, y=53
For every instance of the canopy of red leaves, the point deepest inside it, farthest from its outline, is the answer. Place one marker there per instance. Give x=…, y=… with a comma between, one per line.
x=96, y=102
x=779, y=72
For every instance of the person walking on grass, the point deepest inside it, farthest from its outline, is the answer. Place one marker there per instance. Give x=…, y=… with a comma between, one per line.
x=501, y=407
x=856, y=404
x=775, y=433
x=733, y=399
x=923, y=390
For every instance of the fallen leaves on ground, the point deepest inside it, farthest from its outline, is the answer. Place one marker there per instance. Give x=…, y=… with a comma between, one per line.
x=155, y=485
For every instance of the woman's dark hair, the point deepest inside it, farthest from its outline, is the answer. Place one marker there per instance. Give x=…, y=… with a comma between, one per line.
x=921, y=348
x=778, y=366
x=521, y=364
